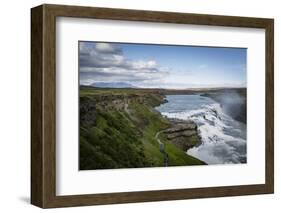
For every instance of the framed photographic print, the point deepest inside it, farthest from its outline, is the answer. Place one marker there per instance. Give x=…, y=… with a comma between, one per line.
x=136, y=106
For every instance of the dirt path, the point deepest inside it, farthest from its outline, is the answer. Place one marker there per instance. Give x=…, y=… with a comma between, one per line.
x=162, y=149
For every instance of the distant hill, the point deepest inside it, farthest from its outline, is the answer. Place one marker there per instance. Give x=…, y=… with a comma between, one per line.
x=112, y=85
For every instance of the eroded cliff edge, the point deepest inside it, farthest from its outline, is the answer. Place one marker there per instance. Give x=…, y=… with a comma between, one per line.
x=184, y=134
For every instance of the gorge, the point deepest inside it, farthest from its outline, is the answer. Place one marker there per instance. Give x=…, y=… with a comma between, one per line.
x=136, y=128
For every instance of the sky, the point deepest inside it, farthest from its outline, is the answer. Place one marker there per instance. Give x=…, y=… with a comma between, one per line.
x=161, y=66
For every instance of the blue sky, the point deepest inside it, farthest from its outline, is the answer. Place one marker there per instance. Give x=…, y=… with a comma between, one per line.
x=162, y=66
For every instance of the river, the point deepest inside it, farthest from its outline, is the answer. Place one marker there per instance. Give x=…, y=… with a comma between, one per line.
x=223, y=138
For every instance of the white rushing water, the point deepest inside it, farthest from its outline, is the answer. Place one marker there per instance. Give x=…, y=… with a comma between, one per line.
x=223, y=138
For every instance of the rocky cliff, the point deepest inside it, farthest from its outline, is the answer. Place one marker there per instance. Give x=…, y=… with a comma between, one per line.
x=87, y=112
x=119, y=128
x=183, y=134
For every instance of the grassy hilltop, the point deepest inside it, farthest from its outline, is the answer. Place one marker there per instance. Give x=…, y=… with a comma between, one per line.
x=118, y=129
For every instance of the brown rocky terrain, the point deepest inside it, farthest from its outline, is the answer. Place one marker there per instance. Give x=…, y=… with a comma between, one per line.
x=184, y=134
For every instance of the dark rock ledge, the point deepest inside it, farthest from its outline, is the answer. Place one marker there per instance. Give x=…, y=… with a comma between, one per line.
x=183, y=134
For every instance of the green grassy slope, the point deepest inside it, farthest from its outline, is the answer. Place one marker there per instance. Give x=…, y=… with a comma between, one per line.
x=126, y=138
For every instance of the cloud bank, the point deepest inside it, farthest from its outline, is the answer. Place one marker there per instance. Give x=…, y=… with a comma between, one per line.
x=105, y=62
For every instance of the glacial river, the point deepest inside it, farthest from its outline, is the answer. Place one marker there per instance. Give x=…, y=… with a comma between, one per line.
x=223, y=138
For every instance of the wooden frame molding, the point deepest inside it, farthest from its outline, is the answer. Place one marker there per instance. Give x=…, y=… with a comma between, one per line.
x=43, y=105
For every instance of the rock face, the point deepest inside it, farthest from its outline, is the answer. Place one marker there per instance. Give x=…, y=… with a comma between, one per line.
x=183, y=134
x=89, y=106
x=121, y=102
x=117, y=102
x=87, y=112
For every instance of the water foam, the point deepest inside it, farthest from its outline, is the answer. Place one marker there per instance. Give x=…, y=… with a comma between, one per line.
x=223, y=138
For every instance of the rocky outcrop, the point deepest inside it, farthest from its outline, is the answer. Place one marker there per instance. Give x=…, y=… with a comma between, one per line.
x=89, y=105
x=183, y=134
x=117, y=102
x=87, y=112
x=109, y=102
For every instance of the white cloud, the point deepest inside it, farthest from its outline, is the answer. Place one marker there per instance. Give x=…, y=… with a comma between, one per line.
x=107, y=48
x=106, y=62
